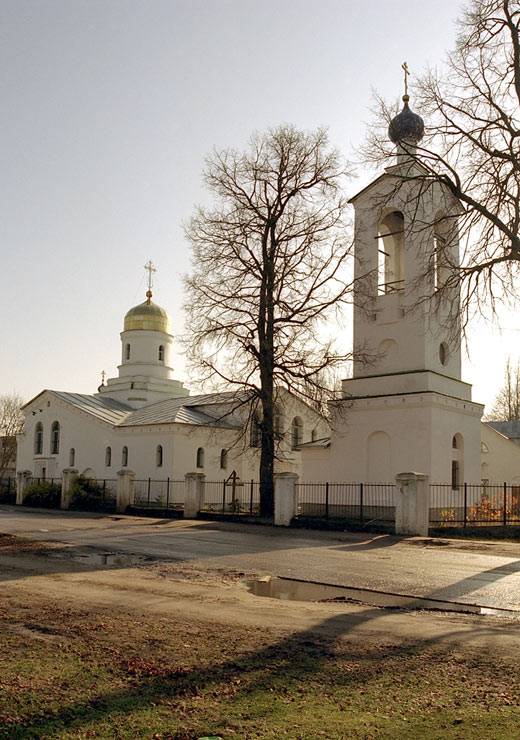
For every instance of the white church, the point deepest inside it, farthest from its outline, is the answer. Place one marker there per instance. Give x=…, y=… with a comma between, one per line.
x=147, y=422
x=408, y=410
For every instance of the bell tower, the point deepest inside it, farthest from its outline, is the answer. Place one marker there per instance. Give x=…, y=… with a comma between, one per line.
x=406, y=403
x=145, y=372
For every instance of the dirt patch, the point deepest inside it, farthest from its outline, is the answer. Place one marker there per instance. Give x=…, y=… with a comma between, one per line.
x=37, y=632
x=11, y=544
x=170, y=652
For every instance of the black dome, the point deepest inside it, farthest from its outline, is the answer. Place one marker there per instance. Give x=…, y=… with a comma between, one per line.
x=406, y=125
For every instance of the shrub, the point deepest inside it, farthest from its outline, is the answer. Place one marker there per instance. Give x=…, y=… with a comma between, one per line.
x=85, y=494
x=8, y=492
x=44, y=494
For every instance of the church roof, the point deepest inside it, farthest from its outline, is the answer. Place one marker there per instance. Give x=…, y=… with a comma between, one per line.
x=510, y=429
x=184, y=410
x=148, y=316
x=106, y=409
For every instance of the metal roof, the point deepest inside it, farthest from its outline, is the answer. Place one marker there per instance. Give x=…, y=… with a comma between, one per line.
x=106, y=409
x=184, y=410
x=181, y=410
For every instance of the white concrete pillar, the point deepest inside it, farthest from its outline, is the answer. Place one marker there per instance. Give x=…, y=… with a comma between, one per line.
x=285, y=498
x=125, y=490
x=23, y=479
x=412, y=503
x=193, y=494
x=67, y=477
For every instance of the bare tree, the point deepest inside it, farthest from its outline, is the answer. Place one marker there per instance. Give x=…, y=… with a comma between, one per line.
x=11, y=424
x=506, y=406
x=471, y=147
x=268, y=272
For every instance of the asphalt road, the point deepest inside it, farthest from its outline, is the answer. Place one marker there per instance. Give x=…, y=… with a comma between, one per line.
x=484, y=573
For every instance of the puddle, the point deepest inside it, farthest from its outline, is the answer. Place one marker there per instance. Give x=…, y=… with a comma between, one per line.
x=105, y=559
x=292, y=589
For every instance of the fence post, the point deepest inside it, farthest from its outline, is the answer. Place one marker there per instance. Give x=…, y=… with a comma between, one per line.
x=251, y=498
x=465, y=503
x=285, y=498
x=361, y=513
x=327, y=500
x=125, y=490
x=67, y=477
x=412, y=504
x=168, y=493
x=223, y=496
x=193, y=494
x=22, y=481
x=505, y=505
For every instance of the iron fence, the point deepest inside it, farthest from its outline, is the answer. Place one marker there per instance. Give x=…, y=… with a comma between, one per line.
x=109, y=492
x=37, y=481
x=362, y=502
x=7, y=490
x=474, y=505
x=232, y=497
x=159, y=494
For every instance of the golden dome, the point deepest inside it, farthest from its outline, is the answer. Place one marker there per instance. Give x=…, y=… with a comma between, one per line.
x=148, y=316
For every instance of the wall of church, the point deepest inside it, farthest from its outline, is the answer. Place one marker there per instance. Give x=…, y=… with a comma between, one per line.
x=500, y=458
x=87, y=436
x=374, y=439
x=99, y=448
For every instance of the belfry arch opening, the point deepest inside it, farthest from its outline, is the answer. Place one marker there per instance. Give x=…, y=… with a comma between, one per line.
x=441, y=255
x=390, y=264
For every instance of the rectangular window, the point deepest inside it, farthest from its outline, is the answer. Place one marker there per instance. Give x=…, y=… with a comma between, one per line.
x=455, y=475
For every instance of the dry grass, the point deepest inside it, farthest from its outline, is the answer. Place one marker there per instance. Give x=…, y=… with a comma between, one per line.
x=71, y=672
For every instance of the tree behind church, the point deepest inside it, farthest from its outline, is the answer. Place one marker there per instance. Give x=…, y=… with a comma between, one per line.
x=471, y=111
x=506, y=406
x=268, y=272
x=11, y=424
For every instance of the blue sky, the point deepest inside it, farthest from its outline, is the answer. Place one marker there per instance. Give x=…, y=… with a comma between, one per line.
x=109, y=107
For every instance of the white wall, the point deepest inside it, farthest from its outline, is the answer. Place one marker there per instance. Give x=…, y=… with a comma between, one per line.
x=502, y=462
x=374, y=439
x=90, y=437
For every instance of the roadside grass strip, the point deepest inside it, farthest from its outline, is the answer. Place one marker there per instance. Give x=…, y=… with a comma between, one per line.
x=71, y=673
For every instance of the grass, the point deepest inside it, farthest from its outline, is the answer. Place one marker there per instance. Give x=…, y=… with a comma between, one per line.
x=67, y=672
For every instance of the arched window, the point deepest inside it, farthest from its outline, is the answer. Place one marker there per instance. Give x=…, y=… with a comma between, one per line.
x=457, y=462
x=223, y=459
x=124, y=456
x=379, y=457
x=314, y=435
x=456, y=442
x=158, y=456
x=72, y=457
x=55, y=438
x=441, y=251
x=108, y=457
x=127, y=352
x=161, y=353
x=200, y=457
x=277, y=422
x=484, y=447
x=296, y=432
x=38, y=438
x=390, y=273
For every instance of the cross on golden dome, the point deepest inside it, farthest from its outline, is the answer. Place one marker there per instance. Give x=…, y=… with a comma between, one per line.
x=151, y=269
